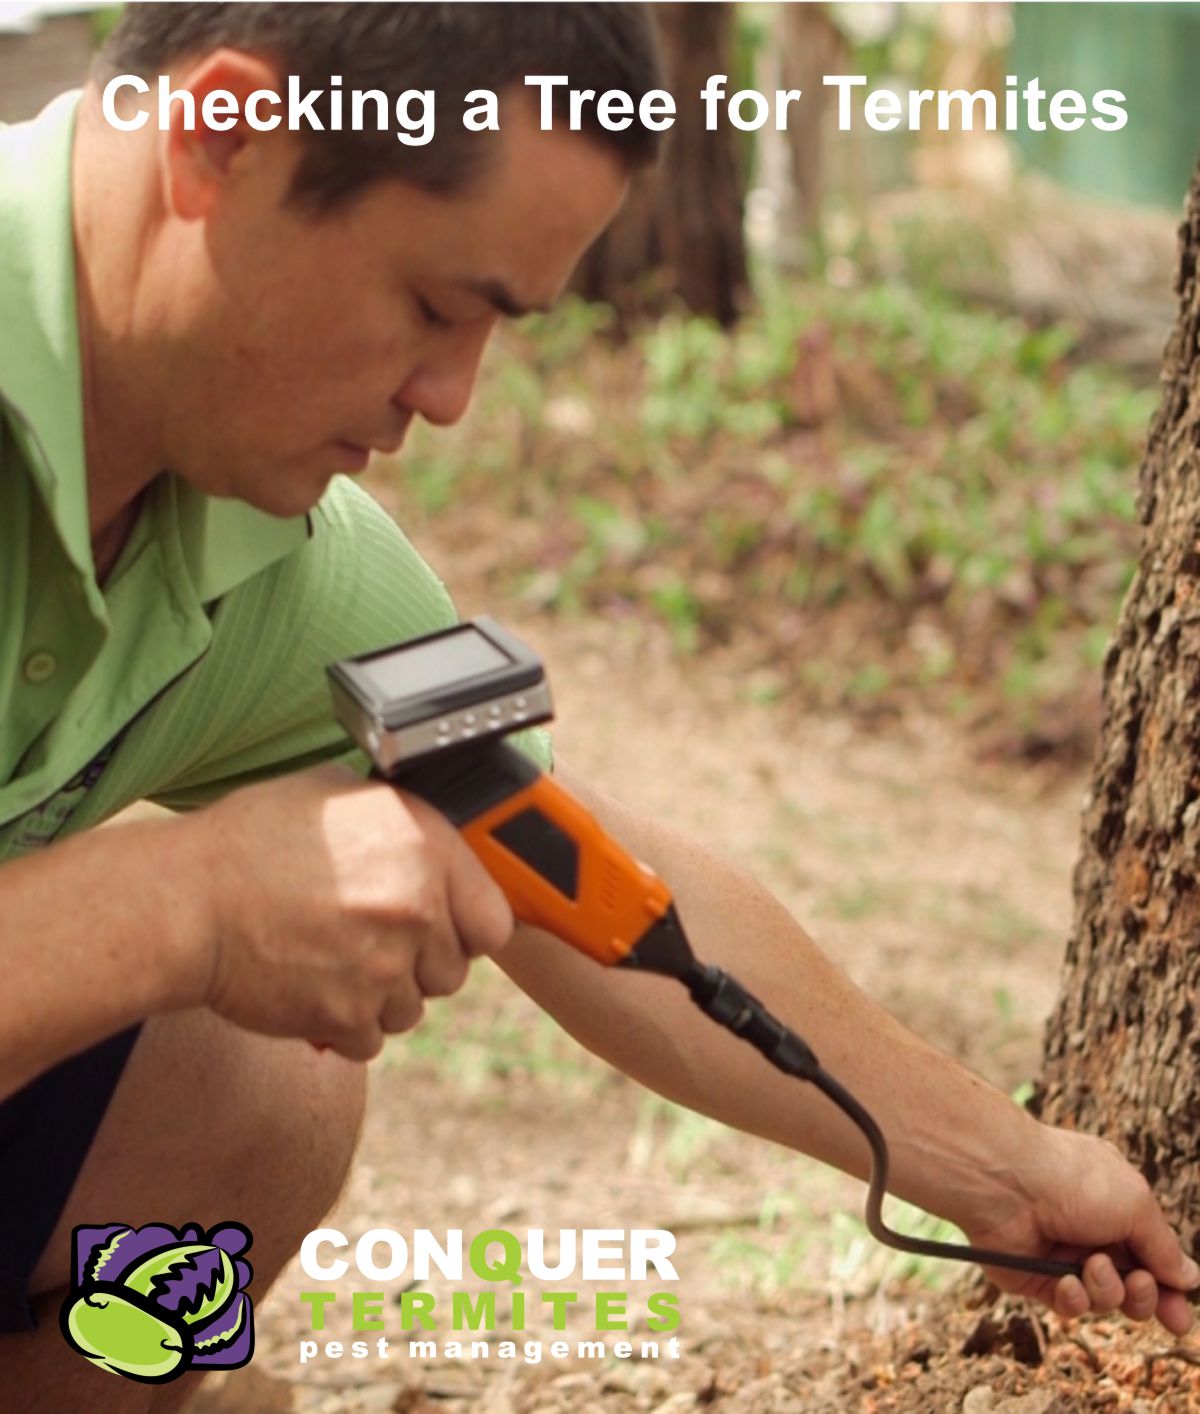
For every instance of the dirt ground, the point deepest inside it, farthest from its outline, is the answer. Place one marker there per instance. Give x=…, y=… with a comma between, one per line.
x=940, y=884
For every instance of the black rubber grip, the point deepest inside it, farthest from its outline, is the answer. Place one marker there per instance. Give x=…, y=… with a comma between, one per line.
x=545, y=846
x=465, y=784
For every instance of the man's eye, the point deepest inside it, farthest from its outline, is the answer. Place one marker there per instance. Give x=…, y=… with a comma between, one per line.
x=431, y=315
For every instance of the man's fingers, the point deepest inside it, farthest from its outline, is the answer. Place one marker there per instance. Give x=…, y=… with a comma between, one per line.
x=1104, y=1287
x=441, y=968
x=479, y=911
x=1070, y=1298
x=1141, y=1296
x=1174, y=1312
x=1137, y=1294
x=1101, y=1289
x=362, y=1045
x=401, y=1012
x=1157, y=1246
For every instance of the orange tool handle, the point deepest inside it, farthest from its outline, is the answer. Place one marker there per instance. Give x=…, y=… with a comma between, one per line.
x=558, y=868
x=603, y=906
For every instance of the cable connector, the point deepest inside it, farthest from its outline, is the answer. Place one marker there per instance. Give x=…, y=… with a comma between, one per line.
x=728, y=1003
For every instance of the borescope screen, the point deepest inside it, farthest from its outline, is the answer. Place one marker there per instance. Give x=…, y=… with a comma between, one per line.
x=413, y=672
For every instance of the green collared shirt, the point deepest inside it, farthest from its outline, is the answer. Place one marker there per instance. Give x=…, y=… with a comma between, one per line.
x=200, y=664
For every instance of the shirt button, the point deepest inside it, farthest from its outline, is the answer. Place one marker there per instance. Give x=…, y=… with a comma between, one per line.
x=40, y=666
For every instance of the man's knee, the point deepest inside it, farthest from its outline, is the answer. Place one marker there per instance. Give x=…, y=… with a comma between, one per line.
x=291, y=1136
x=214, y=1124
x=300, y=1132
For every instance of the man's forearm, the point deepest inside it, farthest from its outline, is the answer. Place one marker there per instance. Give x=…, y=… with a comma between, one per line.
x=957, y=1144
x=96, y=933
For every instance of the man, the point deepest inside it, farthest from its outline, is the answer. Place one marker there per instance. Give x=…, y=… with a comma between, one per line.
x=198, y=329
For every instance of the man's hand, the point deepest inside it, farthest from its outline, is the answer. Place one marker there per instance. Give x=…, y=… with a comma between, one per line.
x=1082, y=1197
x=335, y=906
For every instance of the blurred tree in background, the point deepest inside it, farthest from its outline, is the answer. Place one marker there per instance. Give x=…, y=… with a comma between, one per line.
x=681, y=235
x=1122, y=1053
x=680, y=232
x=806, y=44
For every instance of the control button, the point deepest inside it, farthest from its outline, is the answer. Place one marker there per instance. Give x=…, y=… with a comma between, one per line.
x=40, y=666
x=494, y=713
x=468, y=733
x=444, y=726
x=468, y=719
x=443, y=740
x=520, y=704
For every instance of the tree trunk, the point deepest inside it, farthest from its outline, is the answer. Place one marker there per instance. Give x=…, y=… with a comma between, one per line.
x=811, y=46
x=680, y=233
x=1122, y=1054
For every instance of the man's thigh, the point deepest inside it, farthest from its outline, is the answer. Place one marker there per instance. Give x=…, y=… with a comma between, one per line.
x=211, y=1123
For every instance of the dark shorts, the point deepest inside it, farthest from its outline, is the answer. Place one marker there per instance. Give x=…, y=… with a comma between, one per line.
x=46, y=1130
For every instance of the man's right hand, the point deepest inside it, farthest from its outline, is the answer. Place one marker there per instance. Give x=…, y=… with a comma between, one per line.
x=334, y=906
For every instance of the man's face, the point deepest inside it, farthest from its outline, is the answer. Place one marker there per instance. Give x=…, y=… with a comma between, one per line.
x=293, y=344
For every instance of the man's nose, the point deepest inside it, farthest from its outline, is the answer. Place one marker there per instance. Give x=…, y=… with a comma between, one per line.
x=440, y=388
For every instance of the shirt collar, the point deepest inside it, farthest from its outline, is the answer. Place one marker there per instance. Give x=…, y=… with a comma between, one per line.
x=224, y=542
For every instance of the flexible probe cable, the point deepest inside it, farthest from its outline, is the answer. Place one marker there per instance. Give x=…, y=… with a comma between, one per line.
x=665, y=949
x=724, y=999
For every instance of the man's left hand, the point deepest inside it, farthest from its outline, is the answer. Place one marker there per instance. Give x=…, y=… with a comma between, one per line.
x=1083, y=1199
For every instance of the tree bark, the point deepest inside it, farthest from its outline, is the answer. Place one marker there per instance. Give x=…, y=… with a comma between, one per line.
x=680, y=232
x=1122, y=1051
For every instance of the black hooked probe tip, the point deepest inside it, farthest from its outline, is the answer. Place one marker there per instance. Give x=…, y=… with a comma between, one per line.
x=665, y=950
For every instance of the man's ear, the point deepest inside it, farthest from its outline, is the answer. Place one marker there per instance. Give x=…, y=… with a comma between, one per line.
x=198, y=159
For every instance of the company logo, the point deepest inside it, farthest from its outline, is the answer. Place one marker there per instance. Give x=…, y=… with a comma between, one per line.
x=150, y=1302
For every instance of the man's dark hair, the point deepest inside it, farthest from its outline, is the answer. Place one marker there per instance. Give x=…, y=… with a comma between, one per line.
x=448, y=48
